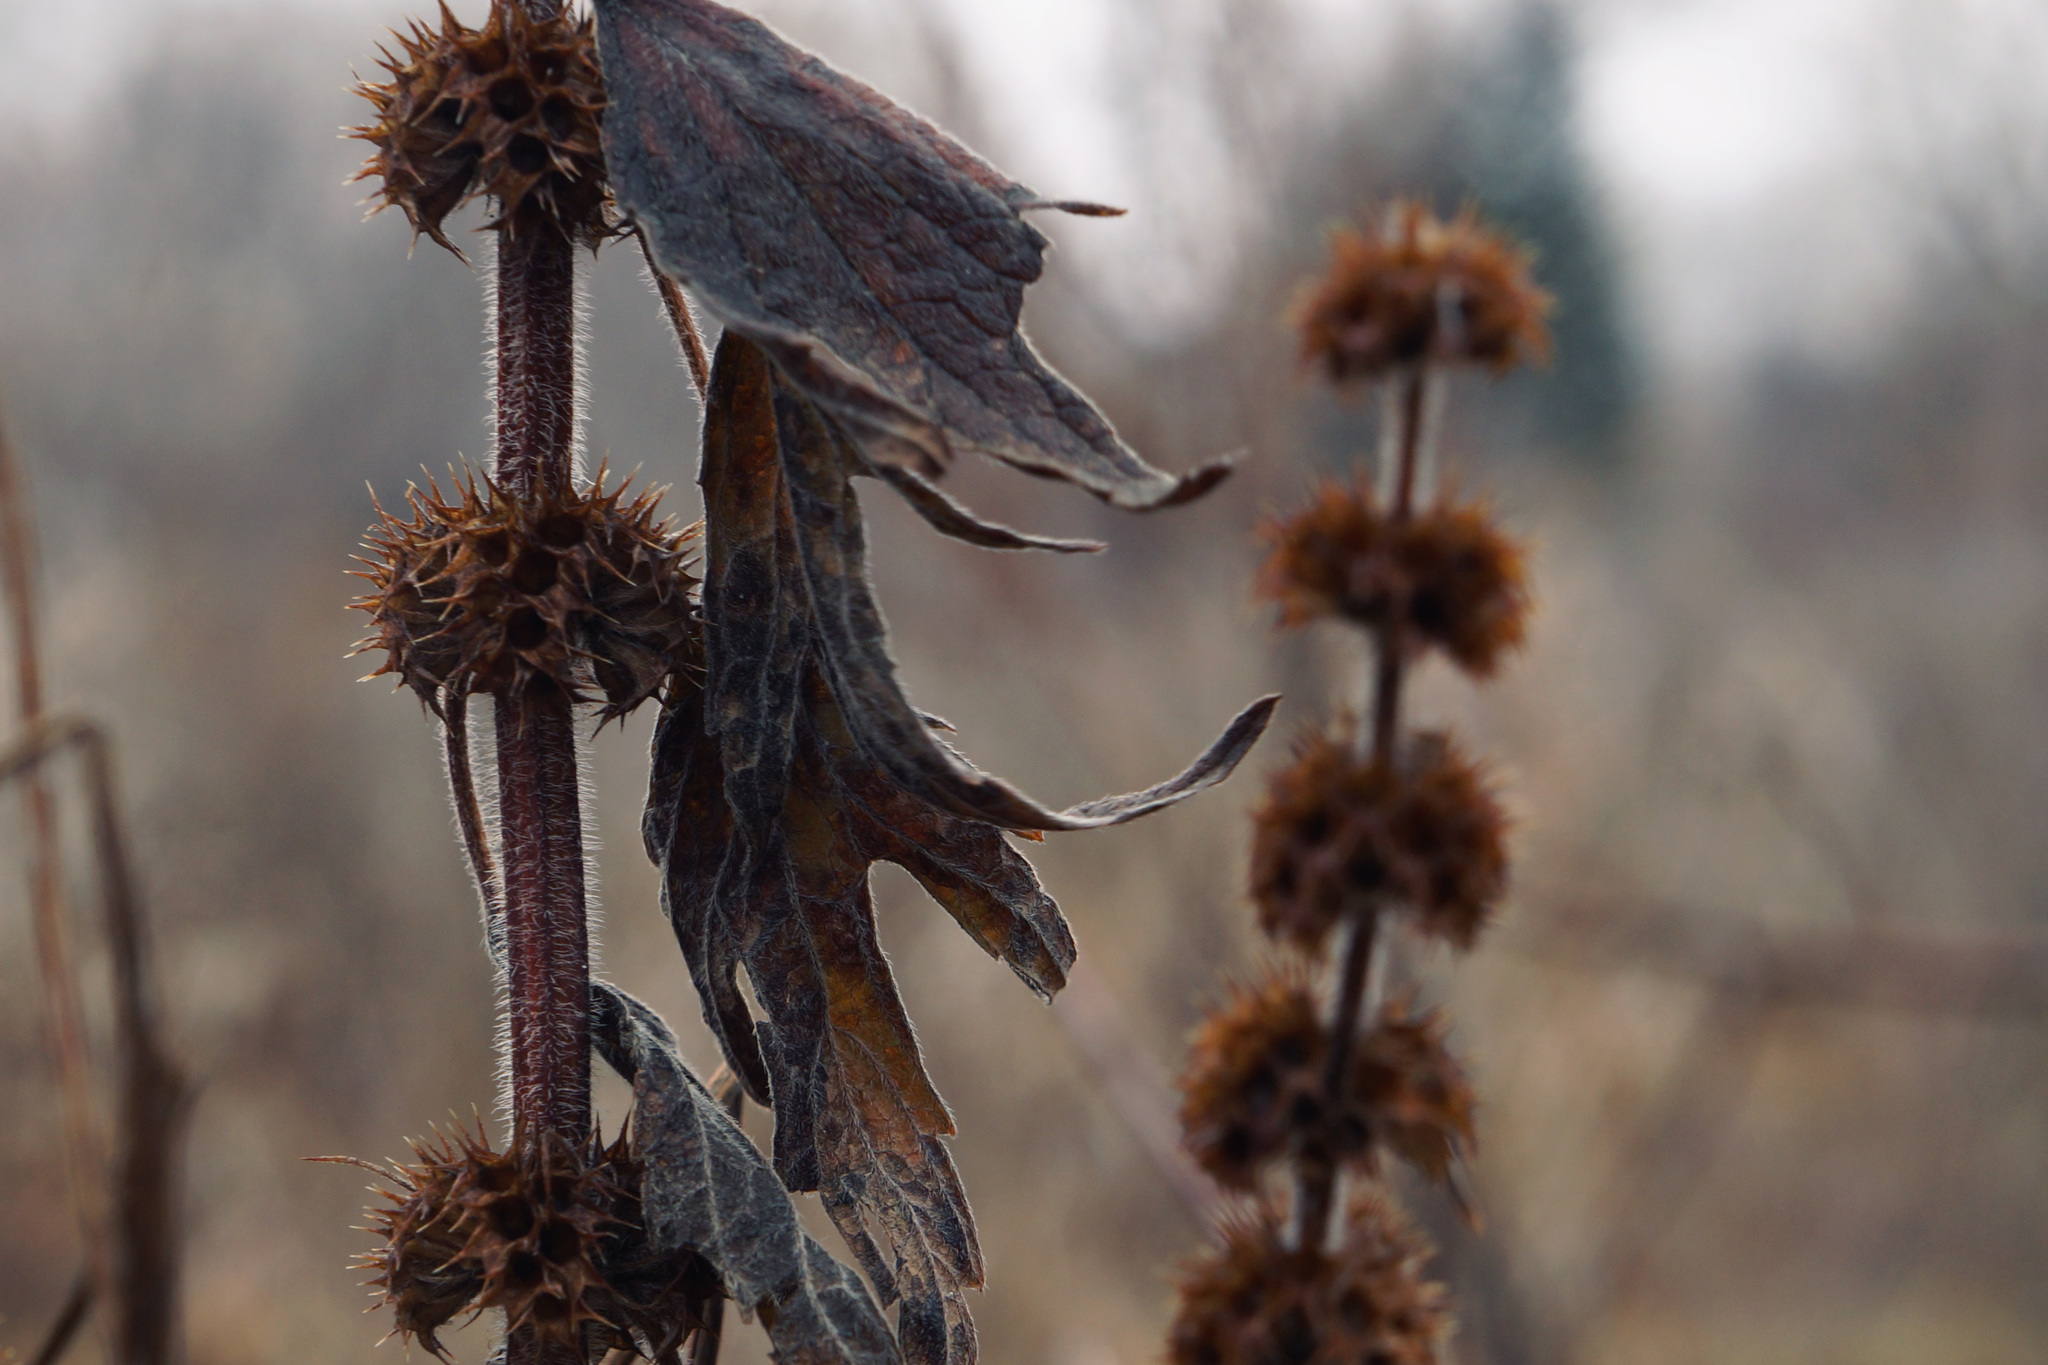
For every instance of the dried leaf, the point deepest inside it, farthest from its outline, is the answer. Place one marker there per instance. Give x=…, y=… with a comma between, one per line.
x=948, y=517
x=707, y=1190
x=881, y=263
x=768, y=808
x=817, y=460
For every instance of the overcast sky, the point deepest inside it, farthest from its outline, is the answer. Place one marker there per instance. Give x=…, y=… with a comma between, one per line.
x=1736, y=137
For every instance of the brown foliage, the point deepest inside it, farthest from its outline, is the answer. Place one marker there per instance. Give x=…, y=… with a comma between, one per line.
x=1259, y=1301
x=795, y=767
x=1338, y=834
x=510, y=110
x=880, y=263
x=1448, y=577
x=1414, y=289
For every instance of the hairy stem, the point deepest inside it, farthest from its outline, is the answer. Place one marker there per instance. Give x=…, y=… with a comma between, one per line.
x=546, y=932
x=1316, y=1199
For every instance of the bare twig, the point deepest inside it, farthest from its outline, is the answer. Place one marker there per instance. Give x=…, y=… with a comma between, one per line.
x=144, y=1270
x=680, y=316
x=84, y=1144
x=69, y=1319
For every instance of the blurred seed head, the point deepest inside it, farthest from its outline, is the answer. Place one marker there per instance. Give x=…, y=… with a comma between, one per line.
x=1413, y=288
x=1254, y=1093
x=1338, y=833
x=484, y=592
x=1416, y=1098
x=1447, y=578
x=1258, y=1301
x=510, y=110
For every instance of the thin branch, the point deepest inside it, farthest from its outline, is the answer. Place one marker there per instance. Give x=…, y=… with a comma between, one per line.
x=69, y=1319
x=144, y=1275
x=84, y=1144
x=681, y=318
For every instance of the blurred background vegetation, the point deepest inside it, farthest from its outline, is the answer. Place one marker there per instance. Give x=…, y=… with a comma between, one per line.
x=1761, y=1039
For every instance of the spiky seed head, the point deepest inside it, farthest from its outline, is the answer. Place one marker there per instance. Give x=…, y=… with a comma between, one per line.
x=471, y=1228
x=1338, y=834
x=1258, y=1301
x=1447, y=578
x=1411, y=1093
x=482, y=592
x=510, y=111
x=1413, y=288
x=1254, y=1092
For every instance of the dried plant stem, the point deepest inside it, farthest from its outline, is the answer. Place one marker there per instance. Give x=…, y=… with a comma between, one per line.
x=84, y=1145
x=681, y=317
x=144, y=1270
x=1318, y=1176
x=69, y=1319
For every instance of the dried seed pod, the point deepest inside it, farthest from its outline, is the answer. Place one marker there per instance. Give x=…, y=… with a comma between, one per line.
x=511, y=110
x=1416, y=289
x=1254, y=1091
x=1447, y=578
x=1410, y=1093
x=1258, y=1301
x=483, y=592
x=472, y=1228
x=1338, y=833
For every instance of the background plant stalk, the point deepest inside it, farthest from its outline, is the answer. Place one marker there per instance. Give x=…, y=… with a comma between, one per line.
x=1318, y=1177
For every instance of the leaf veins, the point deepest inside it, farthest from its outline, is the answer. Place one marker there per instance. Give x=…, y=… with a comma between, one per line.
x=879, y=262
x=777, y=784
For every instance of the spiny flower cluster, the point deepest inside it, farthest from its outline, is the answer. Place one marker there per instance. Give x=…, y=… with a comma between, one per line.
x=485, y=592
x=470, y=1228
x=1447, y=578
x=1415, y=290
x=510, y=110
x=1257, y=1300
x=1339, y=835
x=1256, y=1088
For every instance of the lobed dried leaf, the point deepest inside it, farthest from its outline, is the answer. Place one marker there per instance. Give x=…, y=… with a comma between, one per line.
x=1414, y=289
x=879, y=262
x=706, y=1192
x=510, y=110
x=1338, y=833
x=485, y=592
x=776, y=786
x=1259, y=1301
x=1447, y=578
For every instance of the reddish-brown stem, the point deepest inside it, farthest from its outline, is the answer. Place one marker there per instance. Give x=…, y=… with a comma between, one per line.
x=1318, y=1175
x=540, y=825
x=689, y=338
x=84, y=1149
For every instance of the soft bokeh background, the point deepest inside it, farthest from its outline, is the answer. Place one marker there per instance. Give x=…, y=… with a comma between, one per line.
x=1760, y=1045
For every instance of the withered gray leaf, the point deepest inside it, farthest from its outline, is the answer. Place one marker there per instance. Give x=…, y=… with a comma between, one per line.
x=706, y=1189
x=948, y=517
x=881, y=263
x=817, y=458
